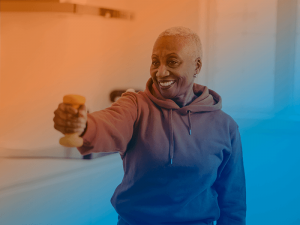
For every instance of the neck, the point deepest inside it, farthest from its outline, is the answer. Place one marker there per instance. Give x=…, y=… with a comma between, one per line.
x=185, y=99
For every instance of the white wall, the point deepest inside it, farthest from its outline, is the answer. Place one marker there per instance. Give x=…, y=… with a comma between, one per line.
x=47, y=55
x=297, y=64
x=242, y=53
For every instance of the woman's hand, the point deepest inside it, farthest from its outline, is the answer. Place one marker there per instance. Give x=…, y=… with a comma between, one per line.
x=70, y=120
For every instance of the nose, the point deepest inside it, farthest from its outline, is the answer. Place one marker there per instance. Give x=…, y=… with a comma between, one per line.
x=162, y=71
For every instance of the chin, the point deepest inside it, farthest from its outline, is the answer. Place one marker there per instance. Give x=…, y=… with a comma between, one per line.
x=167, y=95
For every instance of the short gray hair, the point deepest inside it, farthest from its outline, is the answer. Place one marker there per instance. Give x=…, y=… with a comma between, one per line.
x=186, y=33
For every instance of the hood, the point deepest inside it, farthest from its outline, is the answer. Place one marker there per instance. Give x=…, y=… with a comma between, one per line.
x=207, y=100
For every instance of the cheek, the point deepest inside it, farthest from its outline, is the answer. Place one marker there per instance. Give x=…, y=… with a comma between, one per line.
x=187, y=78
x=182, y=80
x=152, y=72
x=183, y=84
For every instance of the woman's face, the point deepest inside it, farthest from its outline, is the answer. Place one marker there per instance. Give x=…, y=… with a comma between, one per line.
x=173, y=67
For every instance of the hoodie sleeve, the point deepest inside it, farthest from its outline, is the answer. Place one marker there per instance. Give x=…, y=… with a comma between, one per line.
x=111, y=129
x=231, y=185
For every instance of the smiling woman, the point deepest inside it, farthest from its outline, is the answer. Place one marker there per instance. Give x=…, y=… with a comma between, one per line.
x=176, y=60
x=171, y=174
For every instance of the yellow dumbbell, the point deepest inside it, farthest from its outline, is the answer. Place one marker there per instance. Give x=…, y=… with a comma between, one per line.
x=72, y=140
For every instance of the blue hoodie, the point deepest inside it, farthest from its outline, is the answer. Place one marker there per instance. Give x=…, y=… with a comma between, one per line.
x=181, y=165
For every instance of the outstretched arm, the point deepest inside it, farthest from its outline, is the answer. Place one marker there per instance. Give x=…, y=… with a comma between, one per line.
x=111, y=129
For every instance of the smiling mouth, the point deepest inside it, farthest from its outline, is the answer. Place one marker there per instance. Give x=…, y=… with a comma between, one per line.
x=166, y=84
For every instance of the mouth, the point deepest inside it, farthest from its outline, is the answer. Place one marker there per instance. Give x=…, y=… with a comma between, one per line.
x=166, y=84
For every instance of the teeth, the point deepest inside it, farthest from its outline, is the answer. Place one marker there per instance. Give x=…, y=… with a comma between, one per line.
x=165, y=84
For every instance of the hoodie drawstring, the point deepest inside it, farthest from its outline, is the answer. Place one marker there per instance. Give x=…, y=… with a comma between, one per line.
x=171, y=144
x=190, y=124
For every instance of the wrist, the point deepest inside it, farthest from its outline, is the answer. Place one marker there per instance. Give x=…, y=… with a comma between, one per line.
x=81, y=135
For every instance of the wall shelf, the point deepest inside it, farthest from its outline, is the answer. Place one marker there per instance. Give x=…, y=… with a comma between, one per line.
x=61, y=6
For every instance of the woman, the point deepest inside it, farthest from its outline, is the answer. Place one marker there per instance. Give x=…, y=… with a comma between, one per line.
x=182, y=155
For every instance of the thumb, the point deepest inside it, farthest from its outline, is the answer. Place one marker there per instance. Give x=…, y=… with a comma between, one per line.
x=82, y=111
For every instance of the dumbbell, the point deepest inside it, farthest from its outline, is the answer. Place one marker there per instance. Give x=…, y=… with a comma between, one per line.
x=73, y=139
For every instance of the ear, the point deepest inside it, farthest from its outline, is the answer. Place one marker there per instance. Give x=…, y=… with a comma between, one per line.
x=198, y=65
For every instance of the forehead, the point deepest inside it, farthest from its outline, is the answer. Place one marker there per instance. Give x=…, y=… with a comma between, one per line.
x=171, y=44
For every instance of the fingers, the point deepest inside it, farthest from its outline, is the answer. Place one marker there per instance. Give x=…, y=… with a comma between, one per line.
x=70, y=120
x=82, y=112
x=67, y=108
x=68, y=130
x=77, y=122
x=65, y=111
x=62, y=111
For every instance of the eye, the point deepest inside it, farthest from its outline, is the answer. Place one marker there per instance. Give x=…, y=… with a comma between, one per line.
x=155, y=63
x=173, y=63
